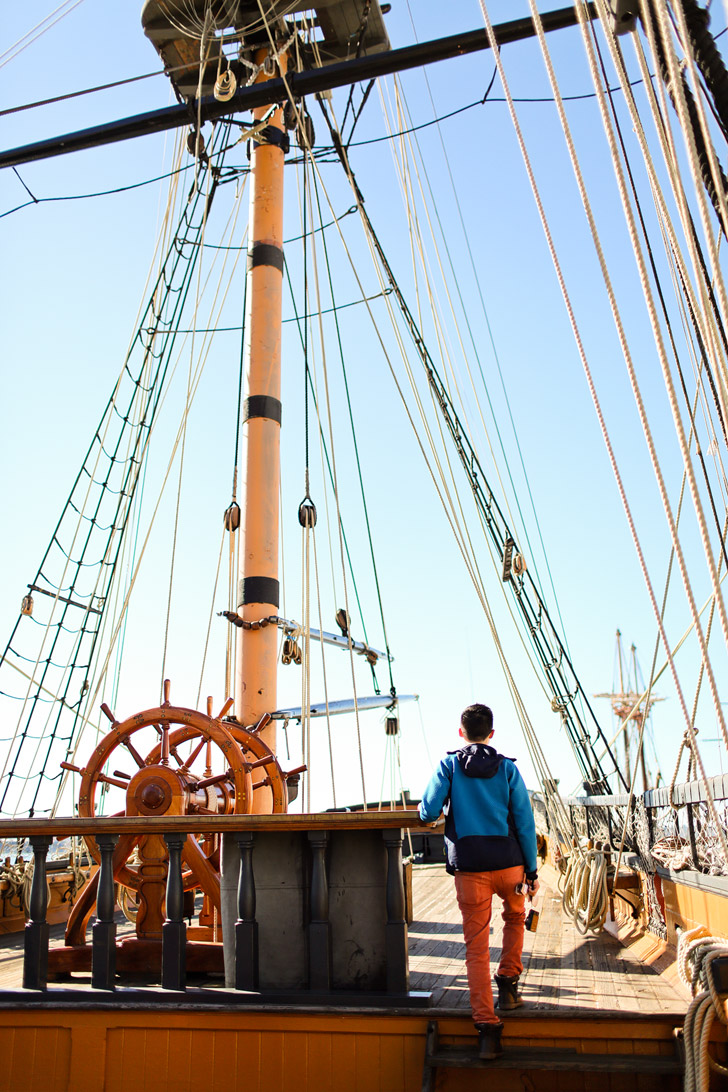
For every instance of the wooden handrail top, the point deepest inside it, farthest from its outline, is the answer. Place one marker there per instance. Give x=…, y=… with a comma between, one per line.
x=208, y=824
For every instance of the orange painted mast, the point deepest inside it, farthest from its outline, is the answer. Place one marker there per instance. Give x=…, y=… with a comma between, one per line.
x=258, y=585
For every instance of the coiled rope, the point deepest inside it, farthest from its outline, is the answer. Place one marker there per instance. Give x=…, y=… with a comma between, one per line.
x=583, y=887
x=696, y=951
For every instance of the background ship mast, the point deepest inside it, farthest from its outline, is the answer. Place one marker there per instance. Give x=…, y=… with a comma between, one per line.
x=631, y=705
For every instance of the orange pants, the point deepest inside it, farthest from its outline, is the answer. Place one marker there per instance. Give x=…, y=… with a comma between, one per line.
x=475, y=892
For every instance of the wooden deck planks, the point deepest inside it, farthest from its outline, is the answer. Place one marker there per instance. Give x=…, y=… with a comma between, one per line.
x=563, y=970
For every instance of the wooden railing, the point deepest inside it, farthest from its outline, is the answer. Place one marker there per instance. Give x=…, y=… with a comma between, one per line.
x=360, y=854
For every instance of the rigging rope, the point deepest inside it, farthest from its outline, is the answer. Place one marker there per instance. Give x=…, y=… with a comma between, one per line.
x=473, y=343
x=210, y=184
x=488, y=505
x=360, y=476
x=679, y=428
x=554, y=805
x=586, y=31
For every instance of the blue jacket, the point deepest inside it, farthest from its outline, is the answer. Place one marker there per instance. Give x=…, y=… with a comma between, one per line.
x=488, y=817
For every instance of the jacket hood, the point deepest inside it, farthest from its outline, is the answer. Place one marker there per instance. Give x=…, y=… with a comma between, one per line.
x=479, y=760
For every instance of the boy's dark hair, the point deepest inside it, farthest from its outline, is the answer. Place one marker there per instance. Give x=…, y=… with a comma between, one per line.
x=477, y=722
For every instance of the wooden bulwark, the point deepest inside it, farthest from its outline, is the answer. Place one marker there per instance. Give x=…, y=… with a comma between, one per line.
x=76, y=1050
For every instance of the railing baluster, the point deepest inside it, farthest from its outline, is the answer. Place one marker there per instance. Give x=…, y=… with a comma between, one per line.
x=174, y=930
x=103, y=942
x=319, y=929
x=246, y=927
x=35, y=946
x=396, y=928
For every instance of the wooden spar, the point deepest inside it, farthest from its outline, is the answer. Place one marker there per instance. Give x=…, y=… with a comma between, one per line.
x=258, y=583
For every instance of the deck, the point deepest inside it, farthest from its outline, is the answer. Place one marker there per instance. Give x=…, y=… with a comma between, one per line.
x=563, y=971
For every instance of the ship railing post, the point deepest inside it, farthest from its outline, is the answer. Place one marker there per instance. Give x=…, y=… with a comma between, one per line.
x=319, y=928
x=396, y=927
x=35, y=945
x=103, y=933
x=246, y=927
x=174, y=930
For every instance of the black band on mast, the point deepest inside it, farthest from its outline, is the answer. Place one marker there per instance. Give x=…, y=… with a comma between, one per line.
x=262, y=405
x=258, y=589
x=265, y=254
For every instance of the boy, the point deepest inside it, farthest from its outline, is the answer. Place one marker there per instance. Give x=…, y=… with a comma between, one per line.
x=490, y=838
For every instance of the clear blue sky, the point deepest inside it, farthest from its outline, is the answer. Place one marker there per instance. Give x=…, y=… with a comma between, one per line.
x=72, y=278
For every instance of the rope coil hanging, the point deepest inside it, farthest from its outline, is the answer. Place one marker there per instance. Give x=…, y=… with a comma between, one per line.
x=583, y=886
x=696, y=953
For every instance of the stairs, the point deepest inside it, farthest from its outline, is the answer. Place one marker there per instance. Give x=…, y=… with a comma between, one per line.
x=539, y=1060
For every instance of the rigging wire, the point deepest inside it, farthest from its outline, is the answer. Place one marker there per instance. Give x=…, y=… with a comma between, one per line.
x=548, y=660
x=210, y=182
x=444, y=243
x=450, y=516
x=203, y=356
x=123, y=416
x=107, y=193
x=327, y=472
x=90, y=90
x=30, y=37
x=324, y=675
x=336, y=495
x=357, y=457
x=136, y=385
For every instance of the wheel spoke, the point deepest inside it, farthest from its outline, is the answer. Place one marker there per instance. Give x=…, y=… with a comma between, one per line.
x=165, y=745
x=133, y=752
x=198, y=864
x=195, y=752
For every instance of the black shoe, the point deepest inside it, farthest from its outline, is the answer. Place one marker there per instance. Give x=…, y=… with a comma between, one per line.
x=489, y=1041
x=508, y=995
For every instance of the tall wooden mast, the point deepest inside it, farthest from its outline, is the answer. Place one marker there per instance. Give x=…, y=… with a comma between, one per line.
x=198, y=42
x=258, y=586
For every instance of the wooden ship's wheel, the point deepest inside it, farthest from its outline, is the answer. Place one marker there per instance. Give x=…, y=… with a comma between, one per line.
x=174, y=776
